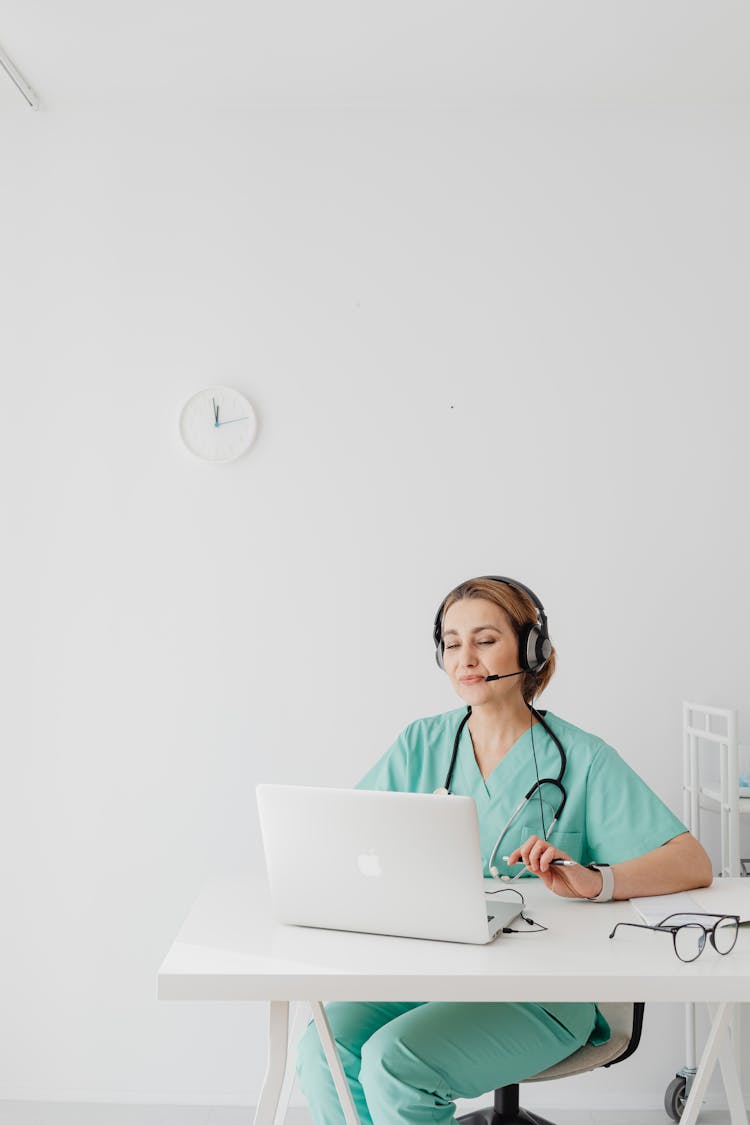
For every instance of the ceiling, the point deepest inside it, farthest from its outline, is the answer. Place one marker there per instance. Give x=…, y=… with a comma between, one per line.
x=232, y=54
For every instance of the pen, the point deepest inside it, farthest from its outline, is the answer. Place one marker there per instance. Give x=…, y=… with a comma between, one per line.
x=555, y=862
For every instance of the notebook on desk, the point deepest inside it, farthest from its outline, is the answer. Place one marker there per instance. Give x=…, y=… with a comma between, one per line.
x=716, y=899
x=404, y=864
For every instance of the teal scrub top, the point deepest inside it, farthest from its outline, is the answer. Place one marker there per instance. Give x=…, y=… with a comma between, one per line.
x=610, y=815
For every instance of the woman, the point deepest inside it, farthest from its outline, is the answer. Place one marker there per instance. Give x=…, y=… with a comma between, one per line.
x=409, y=1062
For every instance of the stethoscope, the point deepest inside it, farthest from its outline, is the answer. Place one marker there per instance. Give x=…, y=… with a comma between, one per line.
x=536, y=788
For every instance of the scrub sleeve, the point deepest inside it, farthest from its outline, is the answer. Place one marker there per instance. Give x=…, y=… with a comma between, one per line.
x=408, y=1062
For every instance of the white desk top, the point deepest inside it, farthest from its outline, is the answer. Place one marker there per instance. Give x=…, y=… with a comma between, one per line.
x=229, y=948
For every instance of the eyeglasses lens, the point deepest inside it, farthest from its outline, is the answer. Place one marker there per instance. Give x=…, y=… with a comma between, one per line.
x=725, y=935
x=689, y=941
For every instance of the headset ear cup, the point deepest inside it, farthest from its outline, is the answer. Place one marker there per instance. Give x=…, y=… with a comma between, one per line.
x=437, y=636
x=534, y=648
x=524, y=638
x=539, y=648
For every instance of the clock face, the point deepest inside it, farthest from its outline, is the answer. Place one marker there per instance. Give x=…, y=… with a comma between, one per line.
x=218, y=424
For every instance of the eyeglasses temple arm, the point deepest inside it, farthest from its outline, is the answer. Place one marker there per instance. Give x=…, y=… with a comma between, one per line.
x=641, y=926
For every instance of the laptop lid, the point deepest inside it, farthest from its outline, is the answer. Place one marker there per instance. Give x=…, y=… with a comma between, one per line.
x=407, y=864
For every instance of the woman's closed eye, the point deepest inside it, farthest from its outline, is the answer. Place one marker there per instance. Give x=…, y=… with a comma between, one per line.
x=456, y=644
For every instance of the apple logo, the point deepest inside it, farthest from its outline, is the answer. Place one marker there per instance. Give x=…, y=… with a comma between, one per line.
x=369, y=864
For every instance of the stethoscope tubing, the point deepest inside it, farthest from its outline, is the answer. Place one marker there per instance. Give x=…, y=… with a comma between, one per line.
x=535, y=788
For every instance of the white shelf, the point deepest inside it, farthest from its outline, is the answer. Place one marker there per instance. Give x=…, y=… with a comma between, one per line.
x=706, y=791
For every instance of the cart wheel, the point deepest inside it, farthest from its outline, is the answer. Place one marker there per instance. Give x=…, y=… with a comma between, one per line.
x=674, y=1098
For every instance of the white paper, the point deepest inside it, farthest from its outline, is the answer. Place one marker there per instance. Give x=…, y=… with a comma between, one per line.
x=656, y=908
x=726, y=896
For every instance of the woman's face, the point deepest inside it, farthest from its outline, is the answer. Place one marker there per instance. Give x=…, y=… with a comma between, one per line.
x=480, y=641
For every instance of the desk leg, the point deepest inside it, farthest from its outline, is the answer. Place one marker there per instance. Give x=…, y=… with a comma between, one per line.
x=278, y=1043
x=334, y=1063
x=730, y=1063
x=299, y=1023
x=718, y=1048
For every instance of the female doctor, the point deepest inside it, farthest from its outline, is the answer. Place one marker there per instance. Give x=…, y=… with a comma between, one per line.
x=544, y=790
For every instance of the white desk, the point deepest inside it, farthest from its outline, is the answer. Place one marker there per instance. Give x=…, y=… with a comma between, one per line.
x=229, y=948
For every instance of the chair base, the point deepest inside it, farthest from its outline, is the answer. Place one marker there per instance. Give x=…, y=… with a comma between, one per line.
x=492, y=1117
x=505, y=1111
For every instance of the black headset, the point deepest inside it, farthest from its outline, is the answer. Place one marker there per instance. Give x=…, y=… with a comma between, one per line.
x=534, y=645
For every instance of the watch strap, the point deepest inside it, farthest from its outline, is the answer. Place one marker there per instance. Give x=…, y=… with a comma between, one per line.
x=607, y=893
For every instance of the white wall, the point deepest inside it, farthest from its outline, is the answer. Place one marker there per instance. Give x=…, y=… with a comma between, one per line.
x=508, y=343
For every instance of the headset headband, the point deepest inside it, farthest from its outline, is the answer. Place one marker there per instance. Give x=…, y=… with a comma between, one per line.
x=520, y=586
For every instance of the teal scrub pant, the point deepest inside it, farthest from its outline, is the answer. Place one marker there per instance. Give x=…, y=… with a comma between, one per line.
x=409, y=1062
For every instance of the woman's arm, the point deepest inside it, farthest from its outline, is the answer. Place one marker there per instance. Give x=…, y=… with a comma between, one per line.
x=682, y=864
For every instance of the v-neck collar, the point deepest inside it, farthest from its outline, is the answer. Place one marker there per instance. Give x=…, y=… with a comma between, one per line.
x=513, y=762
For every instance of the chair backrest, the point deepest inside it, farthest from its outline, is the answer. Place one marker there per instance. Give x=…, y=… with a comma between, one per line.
x=620, y=1015
x=625, y=1022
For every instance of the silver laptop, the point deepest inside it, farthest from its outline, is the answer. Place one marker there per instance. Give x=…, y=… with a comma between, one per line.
x=407, y=864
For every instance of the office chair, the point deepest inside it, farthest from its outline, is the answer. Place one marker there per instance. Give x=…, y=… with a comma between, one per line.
x=625, y=1021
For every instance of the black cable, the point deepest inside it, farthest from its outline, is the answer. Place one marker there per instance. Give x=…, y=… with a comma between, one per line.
x=539, y=928
x=529, y=921
x=536, y=767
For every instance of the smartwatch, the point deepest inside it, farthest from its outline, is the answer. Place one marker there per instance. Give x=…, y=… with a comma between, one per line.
x=607, y=893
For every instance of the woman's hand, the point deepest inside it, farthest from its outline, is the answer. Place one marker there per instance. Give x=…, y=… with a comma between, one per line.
x=569, y=882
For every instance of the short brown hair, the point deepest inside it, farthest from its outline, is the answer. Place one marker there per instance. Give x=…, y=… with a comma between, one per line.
x=520, y=610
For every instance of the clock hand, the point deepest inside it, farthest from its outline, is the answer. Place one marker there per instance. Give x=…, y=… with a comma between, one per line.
x=216, y=412
x=233, y=420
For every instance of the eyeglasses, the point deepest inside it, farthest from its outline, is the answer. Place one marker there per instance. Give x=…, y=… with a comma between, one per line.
x=690, y=937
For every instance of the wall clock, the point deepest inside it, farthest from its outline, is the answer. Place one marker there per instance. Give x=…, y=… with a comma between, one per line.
x=218, y=424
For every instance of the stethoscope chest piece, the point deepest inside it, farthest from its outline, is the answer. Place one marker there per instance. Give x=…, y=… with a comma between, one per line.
x=441, y=792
